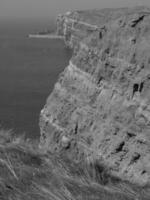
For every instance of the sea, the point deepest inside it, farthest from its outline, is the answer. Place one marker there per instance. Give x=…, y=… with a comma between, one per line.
x=29, y=68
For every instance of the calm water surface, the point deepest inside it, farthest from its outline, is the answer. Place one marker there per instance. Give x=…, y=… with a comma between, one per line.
x=28, y=70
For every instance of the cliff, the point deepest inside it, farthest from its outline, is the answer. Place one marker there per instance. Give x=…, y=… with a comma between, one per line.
x=99, y=109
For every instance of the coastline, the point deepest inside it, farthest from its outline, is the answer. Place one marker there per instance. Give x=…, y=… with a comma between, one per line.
x=94, y=127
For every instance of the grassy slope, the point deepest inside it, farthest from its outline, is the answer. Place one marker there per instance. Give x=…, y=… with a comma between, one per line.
x=28, y=174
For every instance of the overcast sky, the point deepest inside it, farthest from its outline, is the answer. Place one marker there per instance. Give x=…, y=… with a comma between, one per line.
x=48, y=8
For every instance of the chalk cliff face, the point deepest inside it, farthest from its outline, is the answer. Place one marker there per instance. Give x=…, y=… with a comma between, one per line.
x=100, y=106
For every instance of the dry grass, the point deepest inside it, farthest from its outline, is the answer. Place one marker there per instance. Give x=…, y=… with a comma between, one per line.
x=28, y=174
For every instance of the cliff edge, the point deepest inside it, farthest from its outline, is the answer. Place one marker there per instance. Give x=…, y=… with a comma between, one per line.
x=99, y=109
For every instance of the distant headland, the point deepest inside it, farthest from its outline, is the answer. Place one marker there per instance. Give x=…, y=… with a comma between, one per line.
x=49, y=36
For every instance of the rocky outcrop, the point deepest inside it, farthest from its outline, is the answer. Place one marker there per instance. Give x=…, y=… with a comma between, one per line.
x=100, y=106
x=74, y=28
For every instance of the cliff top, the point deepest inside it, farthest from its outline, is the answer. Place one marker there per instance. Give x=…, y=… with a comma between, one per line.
x=102, y=16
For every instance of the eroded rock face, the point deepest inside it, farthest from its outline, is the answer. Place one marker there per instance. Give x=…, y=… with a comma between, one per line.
x=100, y=106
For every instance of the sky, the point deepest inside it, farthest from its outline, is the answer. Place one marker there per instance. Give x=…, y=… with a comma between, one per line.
x=48, y=8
